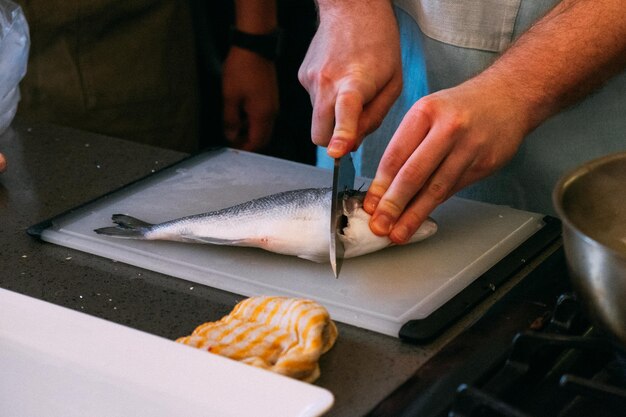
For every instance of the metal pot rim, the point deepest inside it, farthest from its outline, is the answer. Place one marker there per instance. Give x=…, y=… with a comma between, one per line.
x=561, y=187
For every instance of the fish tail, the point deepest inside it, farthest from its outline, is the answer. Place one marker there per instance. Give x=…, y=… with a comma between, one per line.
x=127, y=227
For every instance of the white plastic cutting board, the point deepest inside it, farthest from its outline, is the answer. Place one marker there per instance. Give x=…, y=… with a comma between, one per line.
x=58, y=362
x=379, y=291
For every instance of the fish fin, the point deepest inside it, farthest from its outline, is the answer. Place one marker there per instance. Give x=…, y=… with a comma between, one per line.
x=129, y=222
x=127, y=227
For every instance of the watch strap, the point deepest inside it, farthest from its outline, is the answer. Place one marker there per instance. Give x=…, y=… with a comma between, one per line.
x=267, y=45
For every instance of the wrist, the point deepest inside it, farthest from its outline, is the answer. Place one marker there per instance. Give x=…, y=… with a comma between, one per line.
x=258, y=17
x=527, y=102
x=346, y=15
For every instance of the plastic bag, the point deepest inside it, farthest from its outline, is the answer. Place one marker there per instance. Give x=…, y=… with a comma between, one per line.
x=14, y=46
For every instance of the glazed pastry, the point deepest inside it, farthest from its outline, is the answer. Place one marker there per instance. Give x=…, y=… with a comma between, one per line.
x=284, y=335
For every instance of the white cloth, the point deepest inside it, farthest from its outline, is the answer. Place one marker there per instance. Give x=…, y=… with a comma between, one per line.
x=480, y=24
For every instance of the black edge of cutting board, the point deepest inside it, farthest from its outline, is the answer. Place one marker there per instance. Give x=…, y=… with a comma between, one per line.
x=427, y=329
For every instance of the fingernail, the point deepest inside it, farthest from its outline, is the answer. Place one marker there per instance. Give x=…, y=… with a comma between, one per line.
x=370, y=203
x=337, y=148
x=381, y=224
x=400, y=234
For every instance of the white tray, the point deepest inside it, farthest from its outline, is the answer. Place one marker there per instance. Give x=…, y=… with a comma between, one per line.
x=56, y=362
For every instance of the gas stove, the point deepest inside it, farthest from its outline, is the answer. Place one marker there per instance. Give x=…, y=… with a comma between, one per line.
x=534, y=354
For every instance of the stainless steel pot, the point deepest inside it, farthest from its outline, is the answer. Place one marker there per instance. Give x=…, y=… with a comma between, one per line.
x=591, y=202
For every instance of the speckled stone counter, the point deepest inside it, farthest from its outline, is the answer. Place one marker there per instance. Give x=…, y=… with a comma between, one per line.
x=53, y=169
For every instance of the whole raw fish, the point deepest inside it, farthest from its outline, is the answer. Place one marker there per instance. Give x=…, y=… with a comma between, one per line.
x=292, y=223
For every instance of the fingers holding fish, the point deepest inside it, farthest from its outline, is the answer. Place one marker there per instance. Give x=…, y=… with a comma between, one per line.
x=413, y=154
x=442, y=145
x=405, y=141
x=439, y=187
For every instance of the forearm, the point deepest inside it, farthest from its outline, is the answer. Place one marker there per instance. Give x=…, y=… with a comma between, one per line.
x=350, y=11
x=363, y=6
x=565, y=56
x=256, y=16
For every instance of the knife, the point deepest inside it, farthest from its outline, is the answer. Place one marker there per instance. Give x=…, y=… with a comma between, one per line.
x=343, y=180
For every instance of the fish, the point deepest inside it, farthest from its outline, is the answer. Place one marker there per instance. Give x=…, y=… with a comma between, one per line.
x=294, y=222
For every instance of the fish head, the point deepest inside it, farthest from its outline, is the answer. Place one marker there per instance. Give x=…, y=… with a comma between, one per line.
x=352, y=201
x=356, y=235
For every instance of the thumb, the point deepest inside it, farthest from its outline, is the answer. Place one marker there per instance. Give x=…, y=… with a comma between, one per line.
x=351, y=97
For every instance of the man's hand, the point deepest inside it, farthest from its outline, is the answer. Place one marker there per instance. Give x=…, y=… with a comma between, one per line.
x=446, y=141
x=3, y=163
x=352, y=71
x=250, y=91
x=455, y=137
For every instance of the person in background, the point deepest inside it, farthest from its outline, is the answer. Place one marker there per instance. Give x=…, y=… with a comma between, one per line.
x=487, y=109
x=124, y=69
x=287, y=46
x=249, y=81
x=129, y=69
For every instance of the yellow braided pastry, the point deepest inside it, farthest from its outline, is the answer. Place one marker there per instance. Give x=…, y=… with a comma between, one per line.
x=284, y=335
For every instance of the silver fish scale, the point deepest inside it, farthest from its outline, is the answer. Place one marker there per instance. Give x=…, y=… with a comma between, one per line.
x=285, y=201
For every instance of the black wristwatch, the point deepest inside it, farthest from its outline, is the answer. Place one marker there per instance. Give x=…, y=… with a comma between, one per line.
x=267, y=45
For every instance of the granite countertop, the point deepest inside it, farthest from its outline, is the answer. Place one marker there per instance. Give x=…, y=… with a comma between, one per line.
x=53, y=169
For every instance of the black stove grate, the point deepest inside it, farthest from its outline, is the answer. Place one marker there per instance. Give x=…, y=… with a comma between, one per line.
x=566, y=369
x=533, y=354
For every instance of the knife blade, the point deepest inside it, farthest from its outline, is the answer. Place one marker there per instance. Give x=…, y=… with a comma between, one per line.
x=343, y=180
